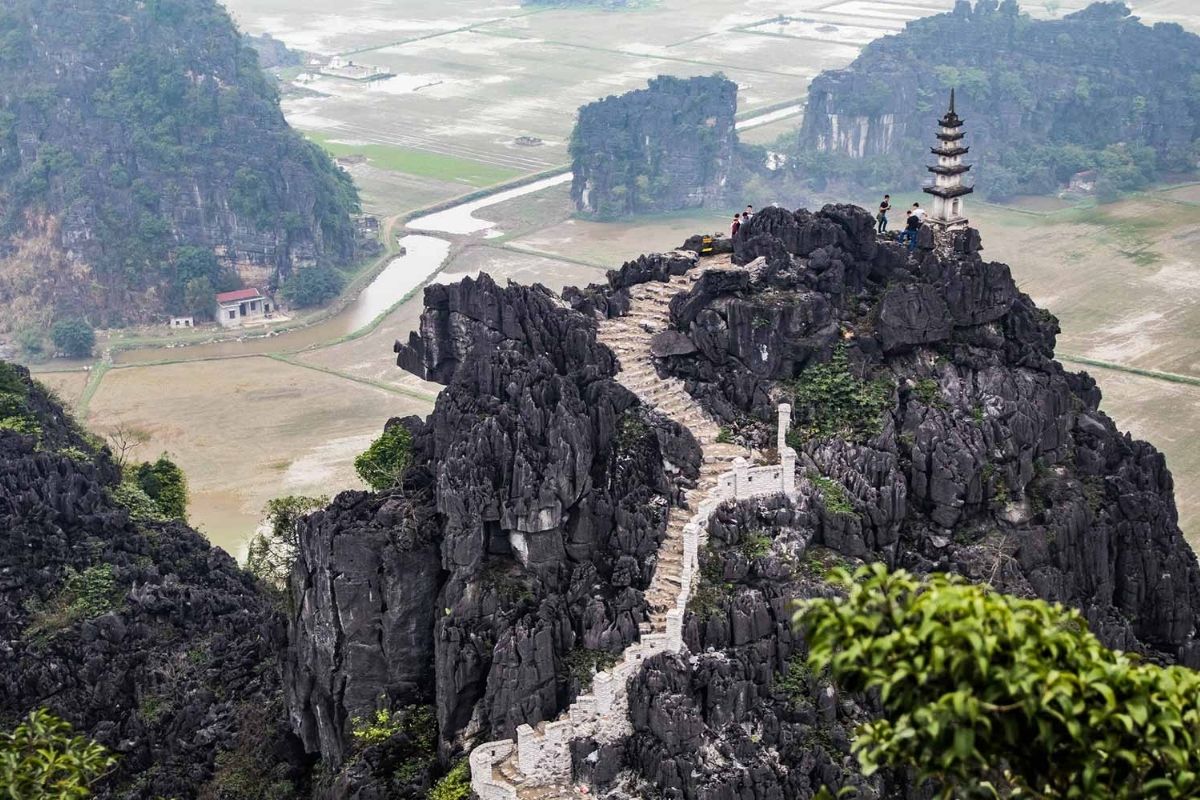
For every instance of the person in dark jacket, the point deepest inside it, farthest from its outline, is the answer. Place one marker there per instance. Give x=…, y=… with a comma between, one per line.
x=911, y=228
x=884, y=208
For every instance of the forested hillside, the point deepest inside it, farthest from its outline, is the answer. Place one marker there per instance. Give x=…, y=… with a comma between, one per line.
x=664, y=148
x=1043, y=100
x=132, y=133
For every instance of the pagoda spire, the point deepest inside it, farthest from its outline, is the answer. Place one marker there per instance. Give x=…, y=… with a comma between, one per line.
x=948, y=190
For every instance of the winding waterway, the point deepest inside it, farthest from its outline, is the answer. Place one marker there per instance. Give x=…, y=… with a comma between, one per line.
x=424, y=257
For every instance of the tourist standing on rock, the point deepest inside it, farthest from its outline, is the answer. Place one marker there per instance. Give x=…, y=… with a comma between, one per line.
x=884, y=208
x=747, y=214
x=919, y=213
x=911, y=228
x=737, y=224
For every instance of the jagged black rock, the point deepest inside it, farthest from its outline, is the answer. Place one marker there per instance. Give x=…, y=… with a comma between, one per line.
x=179, y=665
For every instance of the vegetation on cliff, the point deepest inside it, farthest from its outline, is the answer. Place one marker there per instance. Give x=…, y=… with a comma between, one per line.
x=1043, y=100
x=132, y=133
x=119, y=619
x=668, y=147
x=991, y=695
x=383, y=463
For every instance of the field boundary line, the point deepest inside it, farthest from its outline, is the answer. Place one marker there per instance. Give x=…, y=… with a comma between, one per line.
x=1169, y=377
x=387, y=387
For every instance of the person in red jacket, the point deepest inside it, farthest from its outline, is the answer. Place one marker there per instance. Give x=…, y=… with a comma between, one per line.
x=737, y=224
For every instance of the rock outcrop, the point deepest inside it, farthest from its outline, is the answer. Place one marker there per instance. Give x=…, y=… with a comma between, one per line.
x=517, y=551
x=1043, y=99
x=934, y=432
x=987, y=459
x=668, y=147
x=137, y=632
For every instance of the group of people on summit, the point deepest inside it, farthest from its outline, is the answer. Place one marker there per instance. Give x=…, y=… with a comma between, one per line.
x=740, y=219
x=912, y=224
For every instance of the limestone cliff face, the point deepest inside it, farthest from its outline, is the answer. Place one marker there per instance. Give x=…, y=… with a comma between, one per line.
x=524, y=536
x=520, y=544
x=991, y=461
x=668, y=147
x=131, y=129
x=1042, y=99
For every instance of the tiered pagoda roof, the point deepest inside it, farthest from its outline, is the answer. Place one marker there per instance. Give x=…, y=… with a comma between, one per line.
x=950, y=135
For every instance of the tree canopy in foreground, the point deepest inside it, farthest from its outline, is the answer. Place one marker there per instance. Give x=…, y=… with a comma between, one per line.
x=42, y=759
x=996, y=696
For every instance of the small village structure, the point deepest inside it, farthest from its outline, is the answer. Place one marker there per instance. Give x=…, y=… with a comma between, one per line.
x=182, y=322
x=1083, y=182
x=347, y=70
x=243, y=307
x=948, y=190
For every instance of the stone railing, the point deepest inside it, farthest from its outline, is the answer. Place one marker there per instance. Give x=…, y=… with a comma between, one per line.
x=483, y=761
x=543, y=754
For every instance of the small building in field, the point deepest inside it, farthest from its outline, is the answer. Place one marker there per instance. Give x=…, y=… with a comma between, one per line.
x=182, y=322
x=1083, y=182
x=243, y=307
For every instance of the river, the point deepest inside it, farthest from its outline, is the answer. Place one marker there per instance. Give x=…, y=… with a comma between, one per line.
x=423, y=258
x=425, y=255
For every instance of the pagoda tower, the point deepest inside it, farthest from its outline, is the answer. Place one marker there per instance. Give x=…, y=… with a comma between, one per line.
x=948, y=190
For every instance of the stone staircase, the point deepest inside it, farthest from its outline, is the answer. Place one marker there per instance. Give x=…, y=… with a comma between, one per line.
x=629, y=337
x=537, y=766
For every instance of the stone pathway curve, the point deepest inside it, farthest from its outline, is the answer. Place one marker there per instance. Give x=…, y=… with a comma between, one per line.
x=629, y=337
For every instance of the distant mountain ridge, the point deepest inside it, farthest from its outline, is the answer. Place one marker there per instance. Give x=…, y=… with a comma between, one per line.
x=1043, y=100
x=131, y=129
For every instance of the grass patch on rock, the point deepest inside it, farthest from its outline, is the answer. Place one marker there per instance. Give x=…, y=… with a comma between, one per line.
x=82, y=596
x=829, y=401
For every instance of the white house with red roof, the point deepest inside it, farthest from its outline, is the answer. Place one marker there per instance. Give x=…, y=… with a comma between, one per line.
x=243, y=307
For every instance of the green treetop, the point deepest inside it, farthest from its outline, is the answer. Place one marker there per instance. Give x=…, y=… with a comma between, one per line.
x=996, y=696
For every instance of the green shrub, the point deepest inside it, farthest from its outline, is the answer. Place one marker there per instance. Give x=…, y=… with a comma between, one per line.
x=834, y=496
x=82, y=596
x=456, y=785
x=32, y=341
x=141, y=506
x=755, y=545
x=795, y=680
x=74, y=337
x=582, y=664
x=42, y=759
x=14, y=403
x=199, y=298
x=271, y=554
x=164, y=483
x=724, y=435
x=831, y=402
x=631, y=429
x=312, y=286
x=929, y=392
x=416, y=722
x=406, y=744
x=998, y=696
x=711, y=589
x=382, y=466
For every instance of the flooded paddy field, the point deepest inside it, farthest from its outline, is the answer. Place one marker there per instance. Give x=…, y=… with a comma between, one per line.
x=246, y=430
x=1123, y=278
